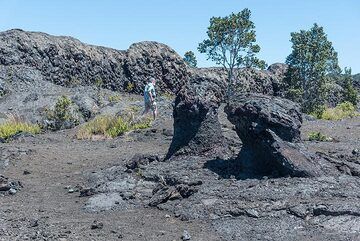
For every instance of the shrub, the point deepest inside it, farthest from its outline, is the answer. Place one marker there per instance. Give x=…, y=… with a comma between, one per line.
x=117, y=127
x=62, y=115
x=15, y=125
x=318, y=111
x=114, y=98
x=111, y=126
x=168, y=96
x=341, y=111
x=62, y=109
x=318, y=136
x=130, y=87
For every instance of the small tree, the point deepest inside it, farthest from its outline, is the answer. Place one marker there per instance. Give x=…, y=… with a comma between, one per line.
x=190, y=58
x=350, y=93
x=311, y=64
x=231, y=43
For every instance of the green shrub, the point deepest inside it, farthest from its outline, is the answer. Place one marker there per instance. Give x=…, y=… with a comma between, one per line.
x=14, y=126
x=63, y=112
x=318, y=111
x=62, y=109
x=318, y=136
x=341, y=111
x=130, y=87
x=143, y=124
x=111, y=126
x=168, y=96
x=114, y=98
x=118, y=126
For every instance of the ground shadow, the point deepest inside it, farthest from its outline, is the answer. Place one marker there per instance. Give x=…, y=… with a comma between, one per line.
x=226, y=169
x=244, y=166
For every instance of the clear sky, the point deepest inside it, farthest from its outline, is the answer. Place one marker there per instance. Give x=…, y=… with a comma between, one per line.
x=182, y=23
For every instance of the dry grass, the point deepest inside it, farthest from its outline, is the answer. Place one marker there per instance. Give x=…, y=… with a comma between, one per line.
x=111, y=126
x=15, y=125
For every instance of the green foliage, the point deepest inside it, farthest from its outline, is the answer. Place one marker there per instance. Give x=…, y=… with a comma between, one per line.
x=62, y=113
x=14, y=126
x=350, y=93
x=190, y=58
x=168, y=96
x=294, y=94
x=99, y=83
x=100, y=97
x=312, y=61
x=130, y=87
x=341, y=111
x=117, y=127
x=61, y=110
x=111, y=126
x=73, y=82
x=231, y=43
x=317, y=111
x=318, y=136
x=145, y=123
x=134, y=109
x=114, y=98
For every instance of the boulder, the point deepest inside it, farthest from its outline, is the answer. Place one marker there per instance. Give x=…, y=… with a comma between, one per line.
x=197, y=129
x=278, y=69
x=269, y=128
x=151, y=59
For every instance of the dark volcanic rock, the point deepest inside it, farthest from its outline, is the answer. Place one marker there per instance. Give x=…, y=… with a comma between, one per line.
x=62, y=60
x=34, y=56
x=197, y=129
x=140, y=159
x=68, y=62
x=254, y=113
x=151, y=59
x=268, y=82
x=3, y=89
x=268, y=126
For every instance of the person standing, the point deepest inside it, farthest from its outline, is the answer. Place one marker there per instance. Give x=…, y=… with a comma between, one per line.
x=149, y=97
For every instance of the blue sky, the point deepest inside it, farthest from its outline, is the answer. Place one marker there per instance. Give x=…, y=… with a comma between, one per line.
x=182, y=24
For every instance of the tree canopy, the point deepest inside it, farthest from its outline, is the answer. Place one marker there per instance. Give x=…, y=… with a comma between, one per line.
x=231, y=42
x=190, y=58
x=311, y=64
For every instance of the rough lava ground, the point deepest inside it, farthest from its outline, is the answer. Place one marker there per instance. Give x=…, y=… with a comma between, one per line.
x=55, y=187
x=68, y=184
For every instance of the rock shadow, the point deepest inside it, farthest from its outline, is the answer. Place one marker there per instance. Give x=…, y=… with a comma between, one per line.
x=244, y=166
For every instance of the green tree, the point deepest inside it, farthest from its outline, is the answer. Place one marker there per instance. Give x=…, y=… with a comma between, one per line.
x=231, y=43
x=350, y=93
x=190, y=58
x=311, y=64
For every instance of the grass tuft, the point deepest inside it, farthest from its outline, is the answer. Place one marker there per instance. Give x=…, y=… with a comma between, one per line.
x=318, y=136
x=15, y=125
x=111, y=126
